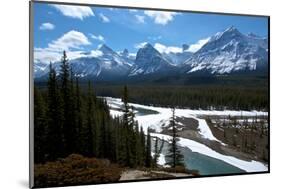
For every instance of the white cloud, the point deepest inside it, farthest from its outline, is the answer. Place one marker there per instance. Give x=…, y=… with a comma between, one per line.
x=160, y=17
x=71, y=42
x=196, y=46
x=79, y=12
x=140, y=45
x=45, y=55
x=47, y=26
x=104, y=18
x=140, y=18
x=97, y=37
x=167, y=49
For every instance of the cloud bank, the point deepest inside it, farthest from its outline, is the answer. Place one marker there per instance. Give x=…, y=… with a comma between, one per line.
x=79, y=12
x=161, y=17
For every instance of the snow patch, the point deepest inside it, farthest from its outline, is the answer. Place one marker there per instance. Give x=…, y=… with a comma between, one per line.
x=248, y=166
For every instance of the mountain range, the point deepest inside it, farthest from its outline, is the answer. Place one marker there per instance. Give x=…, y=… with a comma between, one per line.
x=225, y=52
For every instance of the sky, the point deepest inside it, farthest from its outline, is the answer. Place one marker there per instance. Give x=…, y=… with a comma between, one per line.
x=80, y=29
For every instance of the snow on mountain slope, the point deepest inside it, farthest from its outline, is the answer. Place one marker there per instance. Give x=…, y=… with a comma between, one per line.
x=112, y=63
x=105, y=63
x=229, y=51
x=224, y=53
x=149, y=61
x=40, y=69
x=128, y=57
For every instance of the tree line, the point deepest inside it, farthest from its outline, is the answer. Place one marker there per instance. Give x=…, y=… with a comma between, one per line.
x=69, y=120
x=194, y=97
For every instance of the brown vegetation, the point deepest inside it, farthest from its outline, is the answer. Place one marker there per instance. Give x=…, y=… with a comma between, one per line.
x=249, y=137
x=74, y=170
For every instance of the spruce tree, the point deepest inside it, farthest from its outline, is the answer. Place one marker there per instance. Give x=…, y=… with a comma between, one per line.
x=78, y=107
x=73, y=114
x=68, y=124
x=142, y=147
x=55, y=135
x=90, y=135
x=40, y=127
x=128, y=128
x=174, y=156
x=148, y=159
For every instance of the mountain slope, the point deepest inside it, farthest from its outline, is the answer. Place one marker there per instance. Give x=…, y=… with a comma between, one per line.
x=106, y=65
x=228, y=52
x=150, y=61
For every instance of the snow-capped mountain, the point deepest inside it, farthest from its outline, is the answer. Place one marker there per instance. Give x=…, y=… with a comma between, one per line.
x=40, y=69
x=112, y=64
x=225, y=52
x=150, y=61
x=229, y=51
x=106, y=64
x=130, y=58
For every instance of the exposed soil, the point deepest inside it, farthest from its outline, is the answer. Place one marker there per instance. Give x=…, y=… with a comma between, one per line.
x=256, y=144
x=248, y=139
x=132, y=174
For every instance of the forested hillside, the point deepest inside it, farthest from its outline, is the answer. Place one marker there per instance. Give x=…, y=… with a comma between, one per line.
x=68, y=120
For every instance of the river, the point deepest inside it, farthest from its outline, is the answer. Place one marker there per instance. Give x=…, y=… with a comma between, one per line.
x=197, y=156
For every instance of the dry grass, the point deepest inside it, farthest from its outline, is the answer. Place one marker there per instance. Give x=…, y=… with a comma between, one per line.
x=74, y=170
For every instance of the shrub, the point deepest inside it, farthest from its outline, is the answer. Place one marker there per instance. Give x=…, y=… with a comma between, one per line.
x=75, y=170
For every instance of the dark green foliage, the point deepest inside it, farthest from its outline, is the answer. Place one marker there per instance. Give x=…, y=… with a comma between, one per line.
x=131, y=140
x=40, y=126
x=71, y=120
x=220, y=97
x=148, y=158
x=66, y=87
x=174, y=156
x=54, y=134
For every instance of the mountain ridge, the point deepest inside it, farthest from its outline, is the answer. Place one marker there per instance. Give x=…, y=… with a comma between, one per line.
x=225, y=52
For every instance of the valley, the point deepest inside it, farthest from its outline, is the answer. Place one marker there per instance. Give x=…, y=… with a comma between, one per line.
x=204, y=151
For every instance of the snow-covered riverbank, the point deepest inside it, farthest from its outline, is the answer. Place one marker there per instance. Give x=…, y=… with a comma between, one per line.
x=161, y=118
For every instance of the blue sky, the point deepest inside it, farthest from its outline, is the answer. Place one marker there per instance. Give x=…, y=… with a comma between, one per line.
x=82, y=28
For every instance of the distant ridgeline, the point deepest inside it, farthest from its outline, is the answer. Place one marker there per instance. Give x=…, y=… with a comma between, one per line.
x=225, y=53
x=229, y=71
x=68, y=120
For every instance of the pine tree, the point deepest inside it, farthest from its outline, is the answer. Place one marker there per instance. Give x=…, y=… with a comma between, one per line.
x=148, y=158
x=40, y=127
x=73, y=115
x=174, y=156
x=90, y=134
x=78, y=118
x=139, y=147
x=128, y=121
x=55, y=135
x=142, y=147
x=68, y=124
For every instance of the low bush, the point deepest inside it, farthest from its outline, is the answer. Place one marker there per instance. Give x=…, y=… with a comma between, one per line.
x=75, y=170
